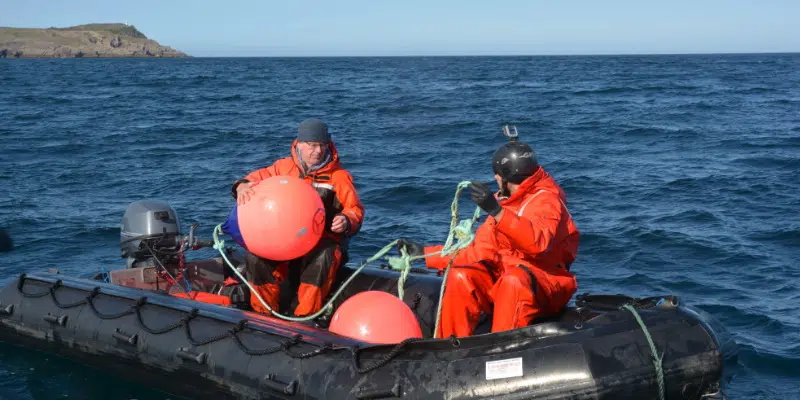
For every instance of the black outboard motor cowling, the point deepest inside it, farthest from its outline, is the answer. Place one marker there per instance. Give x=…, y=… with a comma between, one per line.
x=150, y=234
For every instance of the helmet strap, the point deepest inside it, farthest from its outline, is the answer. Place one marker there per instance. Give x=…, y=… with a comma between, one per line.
x=504, y=192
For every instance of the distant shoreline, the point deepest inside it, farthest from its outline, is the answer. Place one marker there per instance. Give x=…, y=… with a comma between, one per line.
x=82, y=41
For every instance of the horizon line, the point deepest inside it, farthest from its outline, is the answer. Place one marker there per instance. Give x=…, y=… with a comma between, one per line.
x=378, y=55
x=466, y=55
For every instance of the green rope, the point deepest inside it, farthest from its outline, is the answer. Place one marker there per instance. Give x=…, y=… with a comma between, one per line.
x=461, y=231
x=441, y=295
x=220, y=246
x=657, y=361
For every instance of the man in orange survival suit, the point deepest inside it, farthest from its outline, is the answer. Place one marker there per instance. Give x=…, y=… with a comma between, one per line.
x=315, y=159
x=520, y=258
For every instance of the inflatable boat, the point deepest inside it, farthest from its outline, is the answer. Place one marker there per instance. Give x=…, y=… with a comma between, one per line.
x=130, y=321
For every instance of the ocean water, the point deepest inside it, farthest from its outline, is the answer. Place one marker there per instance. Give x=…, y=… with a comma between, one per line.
x=680, y=171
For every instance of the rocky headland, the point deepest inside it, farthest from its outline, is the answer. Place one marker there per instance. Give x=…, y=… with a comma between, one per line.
x=83, y=41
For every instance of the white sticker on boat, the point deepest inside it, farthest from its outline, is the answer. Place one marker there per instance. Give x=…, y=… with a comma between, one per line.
x=504, y=368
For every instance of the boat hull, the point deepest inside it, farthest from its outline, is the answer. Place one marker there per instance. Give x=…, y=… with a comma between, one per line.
x=203, y=351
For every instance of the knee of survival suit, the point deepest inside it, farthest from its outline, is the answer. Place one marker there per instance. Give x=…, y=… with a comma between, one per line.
x=317, y=277
x=514, y=297
x=466, y=297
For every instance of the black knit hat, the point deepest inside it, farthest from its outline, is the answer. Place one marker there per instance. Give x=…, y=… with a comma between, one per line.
x=313, y=130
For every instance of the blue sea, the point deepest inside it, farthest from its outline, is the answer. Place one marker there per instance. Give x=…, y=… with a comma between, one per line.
x=681, y=171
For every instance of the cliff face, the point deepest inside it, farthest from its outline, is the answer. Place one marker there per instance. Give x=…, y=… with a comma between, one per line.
x=93, y=40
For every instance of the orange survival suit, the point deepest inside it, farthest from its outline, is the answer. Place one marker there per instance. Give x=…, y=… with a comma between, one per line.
x=317, y=269
x=519, y=263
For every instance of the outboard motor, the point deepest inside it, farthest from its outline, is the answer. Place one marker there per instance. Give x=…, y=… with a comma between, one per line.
x=154, y=250
x=150, y=235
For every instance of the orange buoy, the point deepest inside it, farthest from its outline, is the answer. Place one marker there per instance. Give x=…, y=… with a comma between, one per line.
x=283, y=220
x=375, y=317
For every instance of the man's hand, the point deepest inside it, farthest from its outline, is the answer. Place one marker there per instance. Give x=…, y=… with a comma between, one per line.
x=484, y=198
x=340, y=224
x=243, y=193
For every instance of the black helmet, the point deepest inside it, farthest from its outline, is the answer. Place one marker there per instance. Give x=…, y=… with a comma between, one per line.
x=514, y=162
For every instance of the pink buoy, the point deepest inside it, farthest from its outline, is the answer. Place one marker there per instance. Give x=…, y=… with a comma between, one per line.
x=375, y=317
x=283, y=220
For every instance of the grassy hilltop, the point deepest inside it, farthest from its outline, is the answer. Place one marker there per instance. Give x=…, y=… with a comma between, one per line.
x=91, y=40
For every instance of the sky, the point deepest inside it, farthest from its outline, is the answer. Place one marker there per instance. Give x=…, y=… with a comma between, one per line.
x=225, y=28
